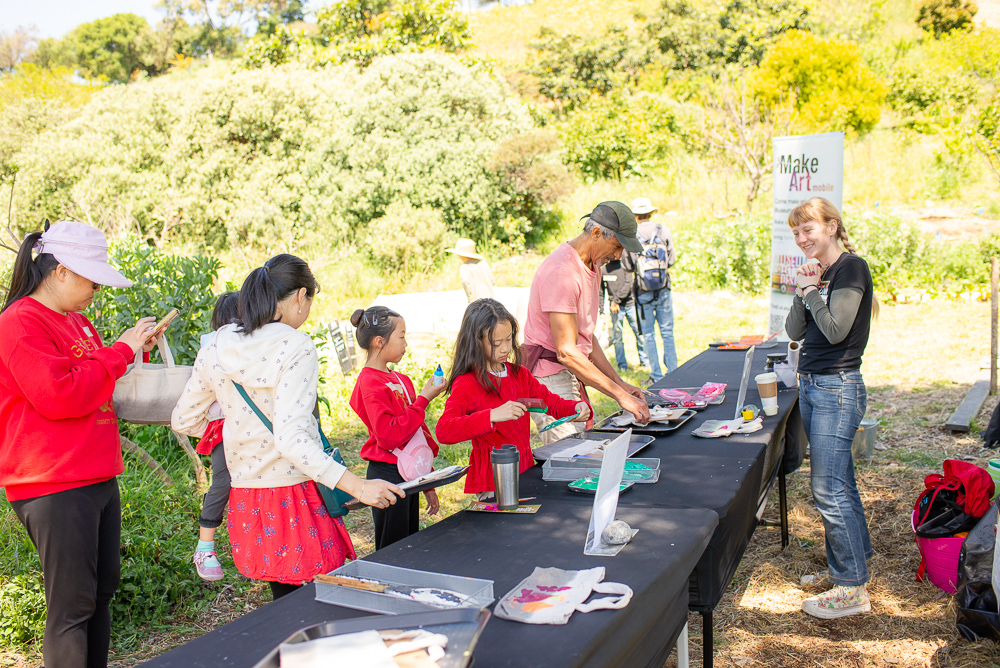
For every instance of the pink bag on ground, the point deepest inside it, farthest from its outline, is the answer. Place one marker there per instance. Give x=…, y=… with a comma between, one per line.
x=416, y=457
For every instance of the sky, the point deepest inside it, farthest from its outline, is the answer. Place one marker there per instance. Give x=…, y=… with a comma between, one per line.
x=55, y=18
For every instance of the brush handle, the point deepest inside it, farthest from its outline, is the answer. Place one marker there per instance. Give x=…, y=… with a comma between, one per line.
x=352, y=583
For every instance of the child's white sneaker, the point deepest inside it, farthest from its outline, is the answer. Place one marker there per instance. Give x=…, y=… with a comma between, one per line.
x=838, y=602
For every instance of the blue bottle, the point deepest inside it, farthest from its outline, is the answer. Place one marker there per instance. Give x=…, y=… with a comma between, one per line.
x=438, y=376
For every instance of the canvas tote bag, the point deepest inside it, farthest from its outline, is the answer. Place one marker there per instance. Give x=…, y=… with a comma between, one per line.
x=147, y=393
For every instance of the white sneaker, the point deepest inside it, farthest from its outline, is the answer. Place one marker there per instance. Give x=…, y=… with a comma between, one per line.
x=838, y=602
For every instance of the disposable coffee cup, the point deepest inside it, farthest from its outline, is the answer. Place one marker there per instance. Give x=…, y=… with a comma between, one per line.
x=767, y=387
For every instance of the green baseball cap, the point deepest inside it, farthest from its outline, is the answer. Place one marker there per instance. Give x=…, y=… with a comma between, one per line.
x=618, y=218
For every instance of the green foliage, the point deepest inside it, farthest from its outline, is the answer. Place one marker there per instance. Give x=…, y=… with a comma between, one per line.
x=406, y=240
x=944, y=16
x=531, y=177
x=161, y=282
x=830, y=86
x=732, y=253
x=275, y=48
x=114, y=48
x=361, y=30
x=32, y=99
x=620, y=136
x=696, y=34
x=570, y=69
x=273, y=157
x=986, y=135
x=159, y=525
x=22, y=609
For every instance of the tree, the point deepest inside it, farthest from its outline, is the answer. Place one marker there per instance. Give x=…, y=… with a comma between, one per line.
x=826, y=81
x=361, y=30
x=620, y=135
x=16, y=47
x=741, y=127
x=570, y=69
x=944, y=16
x=986, y=136
x=114, y=48
x=696, y=34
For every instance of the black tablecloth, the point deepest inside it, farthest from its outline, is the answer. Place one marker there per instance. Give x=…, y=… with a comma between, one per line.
x=506, y=548
x=728, y=475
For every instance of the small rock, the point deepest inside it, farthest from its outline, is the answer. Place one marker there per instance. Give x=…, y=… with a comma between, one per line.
x=742, y=661
x=616, y=533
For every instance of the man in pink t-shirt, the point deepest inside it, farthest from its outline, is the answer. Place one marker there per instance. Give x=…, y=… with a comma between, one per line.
x=562, y=314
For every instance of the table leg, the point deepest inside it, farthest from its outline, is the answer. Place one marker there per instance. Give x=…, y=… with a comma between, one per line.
x=783, y=504
x=683, y=660
x=707, y=642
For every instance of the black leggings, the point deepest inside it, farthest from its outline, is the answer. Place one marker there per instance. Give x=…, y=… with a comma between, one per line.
x=279, y=589
x=399, y=520
x=77, y=533
x=214, y=502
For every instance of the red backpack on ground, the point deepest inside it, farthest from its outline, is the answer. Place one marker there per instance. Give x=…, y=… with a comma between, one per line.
x=953, y=502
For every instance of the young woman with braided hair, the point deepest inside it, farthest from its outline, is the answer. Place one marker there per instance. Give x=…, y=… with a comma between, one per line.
x=831, y=314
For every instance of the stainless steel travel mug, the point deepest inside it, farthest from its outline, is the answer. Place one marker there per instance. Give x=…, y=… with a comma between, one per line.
x=505, y=461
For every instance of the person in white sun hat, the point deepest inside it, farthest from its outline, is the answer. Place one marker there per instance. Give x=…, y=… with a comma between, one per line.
x=475, y=272
x=654, y=304
x=60, y=453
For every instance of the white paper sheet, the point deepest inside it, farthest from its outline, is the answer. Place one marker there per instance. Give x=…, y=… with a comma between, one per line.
x=353, y=649
x=581, y=449
x=606, y=499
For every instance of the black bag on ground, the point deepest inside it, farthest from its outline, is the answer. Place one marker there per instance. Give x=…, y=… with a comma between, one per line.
x=977, y=616
x=940, y=515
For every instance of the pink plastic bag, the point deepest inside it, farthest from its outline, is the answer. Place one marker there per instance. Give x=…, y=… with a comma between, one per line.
x=416, y=457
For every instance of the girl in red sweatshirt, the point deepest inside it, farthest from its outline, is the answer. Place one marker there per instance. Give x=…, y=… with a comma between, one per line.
x=485, y=388
x=60, y=453
x=388, y=405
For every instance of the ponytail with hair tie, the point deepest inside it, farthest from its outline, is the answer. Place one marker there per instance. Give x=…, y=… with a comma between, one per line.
x=265, y=286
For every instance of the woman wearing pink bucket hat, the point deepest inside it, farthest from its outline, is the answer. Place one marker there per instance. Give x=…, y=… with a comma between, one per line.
x=59, y=447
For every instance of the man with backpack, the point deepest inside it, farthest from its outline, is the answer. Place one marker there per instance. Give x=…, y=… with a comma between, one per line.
x=652, y=286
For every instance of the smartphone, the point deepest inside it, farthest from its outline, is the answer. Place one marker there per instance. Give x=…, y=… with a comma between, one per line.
x=162, y=325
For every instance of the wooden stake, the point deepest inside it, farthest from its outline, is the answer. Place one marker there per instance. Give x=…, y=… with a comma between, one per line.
x=994, y=299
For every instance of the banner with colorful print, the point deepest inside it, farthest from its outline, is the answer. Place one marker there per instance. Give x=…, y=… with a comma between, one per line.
x=805, y=166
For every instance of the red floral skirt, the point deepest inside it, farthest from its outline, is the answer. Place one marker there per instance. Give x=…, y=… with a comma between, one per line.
x=284, y=534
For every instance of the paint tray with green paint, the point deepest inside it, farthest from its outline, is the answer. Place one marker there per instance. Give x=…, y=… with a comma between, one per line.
x=589, y=486
x=639, y=469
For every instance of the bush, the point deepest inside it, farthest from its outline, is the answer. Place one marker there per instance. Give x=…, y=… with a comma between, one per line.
x=944, y=16
x=22, y=609
x=407, y=240
x=829, y=84
x=270, y=157
x=161, y=282
x=733, y=254
x=695, y=34
x=620, y=136
x=361, y=30
x=570, y=69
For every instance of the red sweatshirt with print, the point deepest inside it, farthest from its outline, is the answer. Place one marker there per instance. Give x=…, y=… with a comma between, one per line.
x=380, y=400
x=59, y=429
x=467, y=417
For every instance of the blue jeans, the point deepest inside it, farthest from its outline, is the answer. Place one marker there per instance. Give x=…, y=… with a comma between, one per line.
x=658, y=307
x=616, y=334
x=832, y=407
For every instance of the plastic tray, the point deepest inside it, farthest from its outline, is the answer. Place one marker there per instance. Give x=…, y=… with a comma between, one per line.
x=463, y=626
x=546, y=452
x=651, y=429
x=480, y=592
x=690, y=390
x=568, y=470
